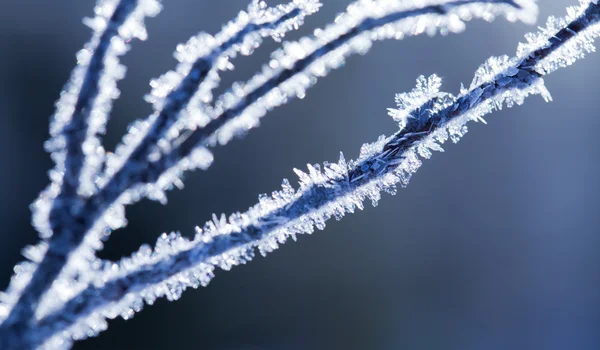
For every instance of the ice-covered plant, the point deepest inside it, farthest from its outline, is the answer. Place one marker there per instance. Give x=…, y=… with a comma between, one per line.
x=63, y=292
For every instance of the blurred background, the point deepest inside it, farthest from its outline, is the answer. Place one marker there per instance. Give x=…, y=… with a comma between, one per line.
x=495, y=244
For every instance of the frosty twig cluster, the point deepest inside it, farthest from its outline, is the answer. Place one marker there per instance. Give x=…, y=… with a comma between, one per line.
x=64, y=293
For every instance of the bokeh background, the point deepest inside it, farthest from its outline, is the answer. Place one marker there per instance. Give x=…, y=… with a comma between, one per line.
x=494, y=245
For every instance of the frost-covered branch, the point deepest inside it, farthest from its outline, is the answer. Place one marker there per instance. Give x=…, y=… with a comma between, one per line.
x=157, y=162
x=241, y=35
x=81, y=113
x=167, y=151
x=183, y=96
x=76, y=116
x=290, y=72
x=427, y=118
x=163, y=154
x=296, y=67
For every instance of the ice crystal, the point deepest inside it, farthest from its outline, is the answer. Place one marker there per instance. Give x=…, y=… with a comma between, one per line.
x=415, y=104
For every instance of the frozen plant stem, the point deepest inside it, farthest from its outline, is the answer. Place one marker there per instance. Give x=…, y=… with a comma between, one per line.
x=65, y=293
x=72, y=217
x=178, y=263
x=132, y=171
x=202, y=136
x=137, y=170
x=74, y=133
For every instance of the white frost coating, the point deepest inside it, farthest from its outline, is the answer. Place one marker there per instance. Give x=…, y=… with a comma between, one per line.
x=200, y=61
x=22, y=275
x=567, y=54
x=328, y=59
x=113, y=71
x=132, y=27
x=200, y=158
x=84, y=267
x=84, y=258
x=220, y=50
x=346, y=202
x=337, y=189
x=330, y=190
x=425, y=90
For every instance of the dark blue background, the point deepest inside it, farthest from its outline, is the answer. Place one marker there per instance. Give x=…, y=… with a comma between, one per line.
x=494, y=245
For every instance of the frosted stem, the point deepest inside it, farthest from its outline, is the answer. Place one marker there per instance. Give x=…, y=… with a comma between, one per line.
x=74, y=133
x=140, y=169
x=72, y=216
x=207, y=134
x=83, y=219
x=196, y=84
x=178, y=263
